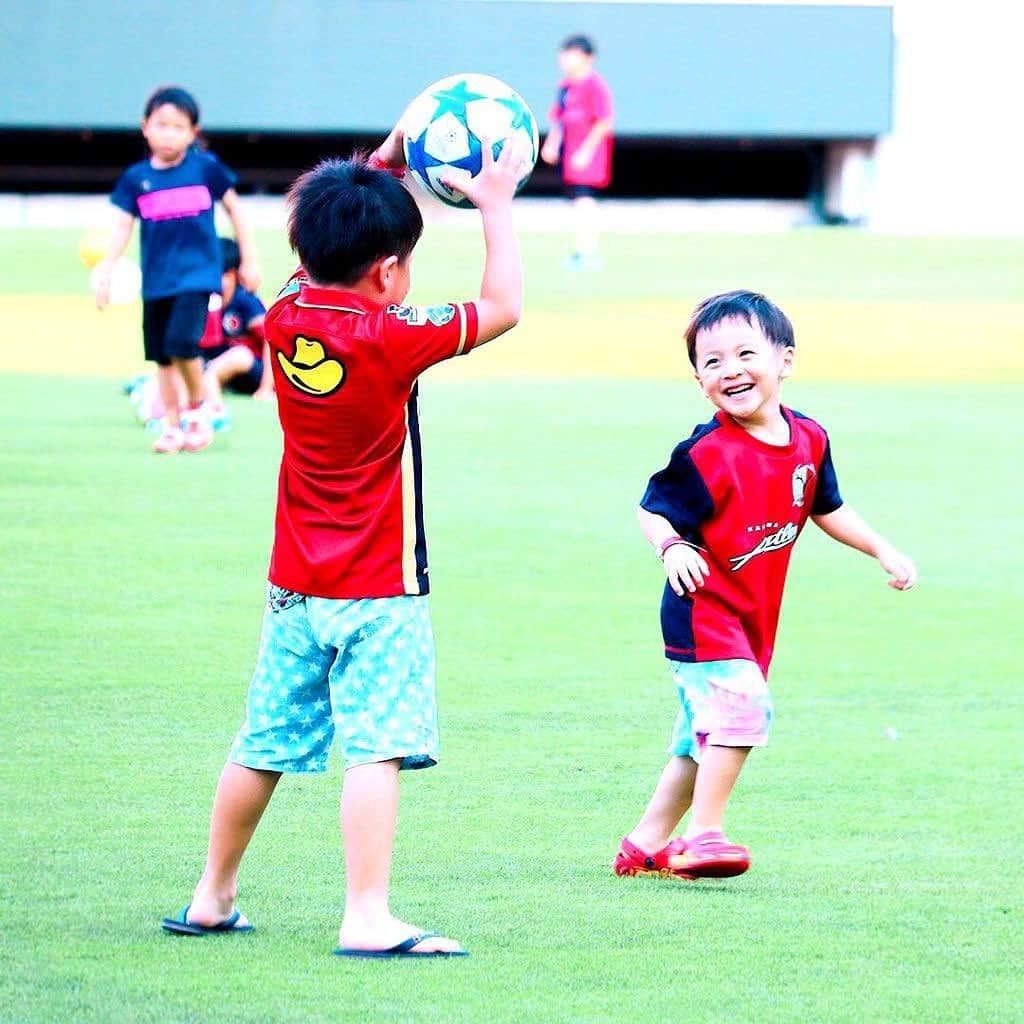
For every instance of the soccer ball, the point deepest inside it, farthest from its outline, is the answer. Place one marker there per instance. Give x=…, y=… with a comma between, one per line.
x=125, y=281
x=446, y=125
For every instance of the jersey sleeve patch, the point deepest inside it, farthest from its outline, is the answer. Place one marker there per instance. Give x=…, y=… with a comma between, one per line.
x=421, y=316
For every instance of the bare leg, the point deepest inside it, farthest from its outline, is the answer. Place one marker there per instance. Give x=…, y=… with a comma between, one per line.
x=671, y=799
x=242, y=797
x=191, y=372
x=585, y=216
x=229, y=364
x=719, y=769
x=369, y=817
x=169, y=381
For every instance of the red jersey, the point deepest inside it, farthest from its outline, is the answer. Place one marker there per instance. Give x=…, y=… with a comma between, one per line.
x=349, y=503
x=744, y=502
x=579, y=106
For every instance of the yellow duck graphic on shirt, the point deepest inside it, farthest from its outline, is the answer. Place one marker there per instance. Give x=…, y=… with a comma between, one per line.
x=310, y=370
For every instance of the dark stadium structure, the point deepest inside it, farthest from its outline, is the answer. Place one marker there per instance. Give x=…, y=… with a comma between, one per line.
x=61, y=160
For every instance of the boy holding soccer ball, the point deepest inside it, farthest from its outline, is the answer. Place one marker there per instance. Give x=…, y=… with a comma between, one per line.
x=723, y=516
x=347, y=645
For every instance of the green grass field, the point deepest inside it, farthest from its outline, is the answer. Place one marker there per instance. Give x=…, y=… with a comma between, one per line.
x=886, y=884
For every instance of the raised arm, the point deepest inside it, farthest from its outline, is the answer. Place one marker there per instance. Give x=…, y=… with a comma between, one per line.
x=847, y=527
x=120, y=236
x=491, y=192
x=249, y=268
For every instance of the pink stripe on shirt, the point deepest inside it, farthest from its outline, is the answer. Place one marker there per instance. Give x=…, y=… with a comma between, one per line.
x=171, y=203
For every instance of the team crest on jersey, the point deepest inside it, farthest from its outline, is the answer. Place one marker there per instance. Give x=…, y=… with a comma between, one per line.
x=310, y=370
x=291, y=288
x=420, y=316
x=801, y=478
x=781, y=538
x=232, y=323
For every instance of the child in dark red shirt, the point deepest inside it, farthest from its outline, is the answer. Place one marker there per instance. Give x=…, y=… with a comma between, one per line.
x=580, y=139
x=347, y=647
x=723, y=516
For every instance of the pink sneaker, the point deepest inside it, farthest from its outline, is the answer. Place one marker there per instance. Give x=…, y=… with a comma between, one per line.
x=711, y=855
x=170, y=441
x=198, y=432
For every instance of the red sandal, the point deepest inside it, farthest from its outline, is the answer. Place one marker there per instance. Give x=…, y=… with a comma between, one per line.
x=708, y=855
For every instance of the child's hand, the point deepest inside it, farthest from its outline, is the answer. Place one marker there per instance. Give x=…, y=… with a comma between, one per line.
x=549, y=152
x=249, y=274
x=685, y=568
x=899, y=567
x=496, y=183
x=103, y=274
x=391, y=152
x=580, y=160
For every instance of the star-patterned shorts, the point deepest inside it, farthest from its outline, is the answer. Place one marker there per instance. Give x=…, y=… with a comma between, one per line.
x=362, y=669
x=724, y=703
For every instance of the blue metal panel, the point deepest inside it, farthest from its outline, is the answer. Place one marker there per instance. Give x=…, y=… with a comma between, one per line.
x=345, y=65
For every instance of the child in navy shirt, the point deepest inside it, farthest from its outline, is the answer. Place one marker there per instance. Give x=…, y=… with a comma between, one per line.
x=173, y=192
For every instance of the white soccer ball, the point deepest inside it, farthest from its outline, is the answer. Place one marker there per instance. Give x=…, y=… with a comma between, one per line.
x=447, y=125
x=125, y=281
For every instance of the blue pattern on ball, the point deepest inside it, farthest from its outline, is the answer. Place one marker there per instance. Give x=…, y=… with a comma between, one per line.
x=442, y=123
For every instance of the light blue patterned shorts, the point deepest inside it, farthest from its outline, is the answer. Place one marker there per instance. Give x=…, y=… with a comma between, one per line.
x=363, y=669
x=724, y=703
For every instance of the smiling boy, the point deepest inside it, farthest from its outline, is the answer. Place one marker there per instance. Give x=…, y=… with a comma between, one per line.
x=723, y=516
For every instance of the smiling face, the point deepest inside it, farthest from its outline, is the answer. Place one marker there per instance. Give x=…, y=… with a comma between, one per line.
x=740, y=370
x=169, y=132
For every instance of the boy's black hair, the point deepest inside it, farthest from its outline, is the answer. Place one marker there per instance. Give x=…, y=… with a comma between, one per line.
x=177, y=97
x=582, y=43
x=344, y=216
x=739, y=305
x=230, y=255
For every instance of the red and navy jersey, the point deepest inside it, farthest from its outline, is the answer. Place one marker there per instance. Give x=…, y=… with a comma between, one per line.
x=180, y=250
x=231, y=324
x=744, y=502
x=349, y=504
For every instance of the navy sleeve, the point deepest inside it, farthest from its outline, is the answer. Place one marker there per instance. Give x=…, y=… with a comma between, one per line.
x=219, y=178
x=125, y=194
x=826, y=494
x=252, y=308
x=679, y=494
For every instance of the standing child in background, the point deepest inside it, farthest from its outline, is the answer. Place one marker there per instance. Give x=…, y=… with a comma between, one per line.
x=581, y=138
x=347, y=646
x=237, y=359
x=173, y=192
x=723, y=516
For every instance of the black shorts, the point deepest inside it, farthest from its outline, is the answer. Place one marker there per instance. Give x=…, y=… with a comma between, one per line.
x=172, y=327
x=582, y=192
x=247, y=383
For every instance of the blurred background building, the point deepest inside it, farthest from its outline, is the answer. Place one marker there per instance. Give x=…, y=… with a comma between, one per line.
x=900, y=116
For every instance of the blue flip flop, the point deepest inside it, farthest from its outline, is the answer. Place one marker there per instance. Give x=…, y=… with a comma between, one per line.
x=181, y=925
x=404, y=949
